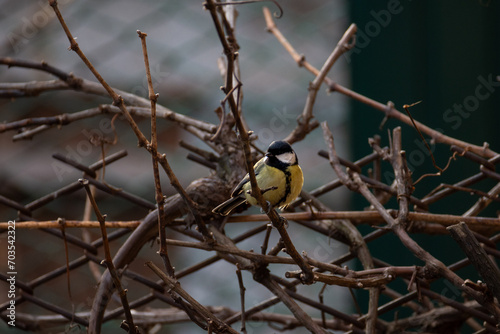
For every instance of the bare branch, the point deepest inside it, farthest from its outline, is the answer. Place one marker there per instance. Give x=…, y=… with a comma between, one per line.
x=154, y=155
x=128, y=325
x=477, y=255
x=305, y=122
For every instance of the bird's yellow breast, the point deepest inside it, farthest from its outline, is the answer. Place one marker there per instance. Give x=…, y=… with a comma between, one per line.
x=287, y=184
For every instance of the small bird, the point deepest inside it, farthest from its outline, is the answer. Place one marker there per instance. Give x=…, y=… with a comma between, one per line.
x=278, y=175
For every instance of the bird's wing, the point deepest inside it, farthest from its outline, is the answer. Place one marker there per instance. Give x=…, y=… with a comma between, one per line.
x=239, y=188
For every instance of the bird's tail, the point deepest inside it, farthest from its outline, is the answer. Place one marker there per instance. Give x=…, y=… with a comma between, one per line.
x=225, y=208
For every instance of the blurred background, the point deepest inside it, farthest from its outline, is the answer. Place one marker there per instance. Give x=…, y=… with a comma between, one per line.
x=444, y=54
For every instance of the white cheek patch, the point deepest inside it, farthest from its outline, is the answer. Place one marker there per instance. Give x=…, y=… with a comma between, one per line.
x=288, y=158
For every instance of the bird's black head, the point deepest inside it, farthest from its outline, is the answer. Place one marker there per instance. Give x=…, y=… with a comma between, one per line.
x=281, y=153
x=278, y=147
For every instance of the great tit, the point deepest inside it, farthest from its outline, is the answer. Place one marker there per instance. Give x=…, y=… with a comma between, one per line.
x=279, y=178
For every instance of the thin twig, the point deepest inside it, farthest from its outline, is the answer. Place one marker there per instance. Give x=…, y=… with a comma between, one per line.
x=191, y=205
x=154, y=154
x=46, y=123
x=66, y=255
x=129, y=323
x=276, y=15
x=228, y=249
x=242, y=298
x=407, y=107
x=484, y=201
x=266, y=239
x=305, y=121
x=357, y=283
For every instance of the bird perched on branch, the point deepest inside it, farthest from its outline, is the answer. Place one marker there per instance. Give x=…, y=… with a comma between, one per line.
x=279, y=178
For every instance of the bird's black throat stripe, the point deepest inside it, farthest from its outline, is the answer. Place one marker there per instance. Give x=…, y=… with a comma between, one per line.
x=288, y=187
x=276, y=163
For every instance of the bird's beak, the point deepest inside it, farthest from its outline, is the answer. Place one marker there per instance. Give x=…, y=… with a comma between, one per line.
x=269, y=154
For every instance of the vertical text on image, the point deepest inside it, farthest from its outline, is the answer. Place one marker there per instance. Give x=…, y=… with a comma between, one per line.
x=11, y=272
